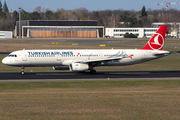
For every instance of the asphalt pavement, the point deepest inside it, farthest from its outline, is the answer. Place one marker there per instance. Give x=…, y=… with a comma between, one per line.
x=100, y=76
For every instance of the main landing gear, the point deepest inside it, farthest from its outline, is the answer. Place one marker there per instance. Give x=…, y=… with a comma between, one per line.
x=91, y=68
x=22, y=70
x=93, y=71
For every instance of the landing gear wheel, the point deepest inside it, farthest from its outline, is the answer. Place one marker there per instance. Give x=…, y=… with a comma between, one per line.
x=22, y=71
x=93, y=71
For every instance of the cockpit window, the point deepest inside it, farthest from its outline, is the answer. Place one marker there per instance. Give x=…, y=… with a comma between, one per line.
x=12, y=55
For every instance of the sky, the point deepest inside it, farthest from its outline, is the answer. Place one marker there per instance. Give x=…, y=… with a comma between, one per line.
x=91, y=5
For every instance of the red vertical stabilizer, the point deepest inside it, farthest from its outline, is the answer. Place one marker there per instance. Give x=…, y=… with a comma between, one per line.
x=157, y=41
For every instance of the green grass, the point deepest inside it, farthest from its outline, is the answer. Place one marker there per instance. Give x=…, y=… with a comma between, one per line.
x=175, y=44
x=10, y=46
x=89, y=85
x=143, y=42
x=152, y=100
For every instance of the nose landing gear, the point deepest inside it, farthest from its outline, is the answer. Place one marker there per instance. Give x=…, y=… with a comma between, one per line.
x=22, y=70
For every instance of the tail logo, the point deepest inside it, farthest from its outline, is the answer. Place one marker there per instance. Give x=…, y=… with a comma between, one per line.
x=156, y=42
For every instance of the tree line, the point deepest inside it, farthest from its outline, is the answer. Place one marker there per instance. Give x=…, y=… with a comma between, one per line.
x=107, y=18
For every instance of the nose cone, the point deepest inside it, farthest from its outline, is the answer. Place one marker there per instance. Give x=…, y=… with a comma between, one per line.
x=5, y=61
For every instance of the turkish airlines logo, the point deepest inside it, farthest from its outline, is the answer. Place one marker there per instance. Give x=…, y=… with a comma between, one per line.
x=156, y=42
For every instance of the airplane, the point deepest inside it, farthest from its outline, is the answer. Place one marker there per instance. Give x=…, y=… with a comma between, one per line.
x=81, y=60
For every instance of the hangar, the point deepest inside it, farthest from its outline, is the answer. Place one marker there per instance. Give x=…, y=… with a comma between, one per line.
x=59, y=28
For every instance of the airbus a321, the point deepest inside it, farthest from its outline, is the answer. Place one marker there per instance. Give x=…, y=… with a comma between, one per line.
x=82, y=60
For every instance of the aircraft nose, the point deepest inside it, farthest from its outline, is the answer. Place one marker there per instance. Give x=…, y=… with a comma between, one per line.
x=5, y=61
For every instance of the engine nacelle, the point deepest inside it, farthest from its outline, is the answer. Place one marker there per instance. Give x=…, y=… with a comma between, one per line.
x=61, y=67
x=78, y=67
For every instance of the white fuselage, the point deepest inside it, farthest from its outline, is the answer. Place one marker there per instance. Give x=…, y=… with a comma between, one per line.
x=28, y=58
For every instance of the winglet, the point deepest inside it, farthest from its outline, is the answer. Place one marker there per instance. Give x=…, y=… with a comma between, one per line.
x=157, y=41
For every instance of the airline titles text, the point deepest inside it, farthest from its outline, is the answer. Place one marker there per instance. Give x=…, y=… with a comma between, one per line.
x=52, y=53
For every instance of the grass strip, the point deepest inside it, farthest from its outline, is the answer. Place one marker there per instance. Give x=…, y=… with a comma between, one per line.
x=91, y=100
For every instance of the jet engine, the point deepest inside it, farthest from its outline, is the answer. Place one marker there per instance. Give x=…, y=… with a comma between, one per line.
x=78, y=67
x=61, y=67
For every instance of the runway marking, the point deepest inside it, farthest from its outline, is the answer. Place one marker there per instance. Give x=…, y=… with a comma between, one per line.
x=129, y=73
x=52, y=74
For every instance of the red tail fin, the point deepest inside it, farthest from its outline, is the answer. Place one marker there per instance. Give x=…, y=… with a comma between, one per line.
x=157, y=41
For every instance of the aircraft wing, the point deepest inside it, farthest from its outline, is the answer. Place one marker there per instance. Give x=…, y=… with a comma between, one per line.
x=93, y=61
x=103, y=60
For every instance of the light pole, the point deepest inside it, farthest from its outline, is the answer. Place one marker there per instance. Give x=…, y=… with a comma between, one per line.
x=20, y=9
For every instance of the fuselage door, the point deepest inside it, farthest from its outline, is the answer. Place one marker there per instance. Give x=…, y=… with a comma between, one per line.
x=58, y=57
x=143, y=55
x=90, y=56
x=101, y=55
x=24, y=55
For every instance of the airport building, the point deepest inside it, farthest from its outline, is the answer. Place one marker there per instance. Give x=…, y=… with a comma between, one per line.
x=6, y=34
x=58, y=28
x=173, y=28
x=139, y=32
